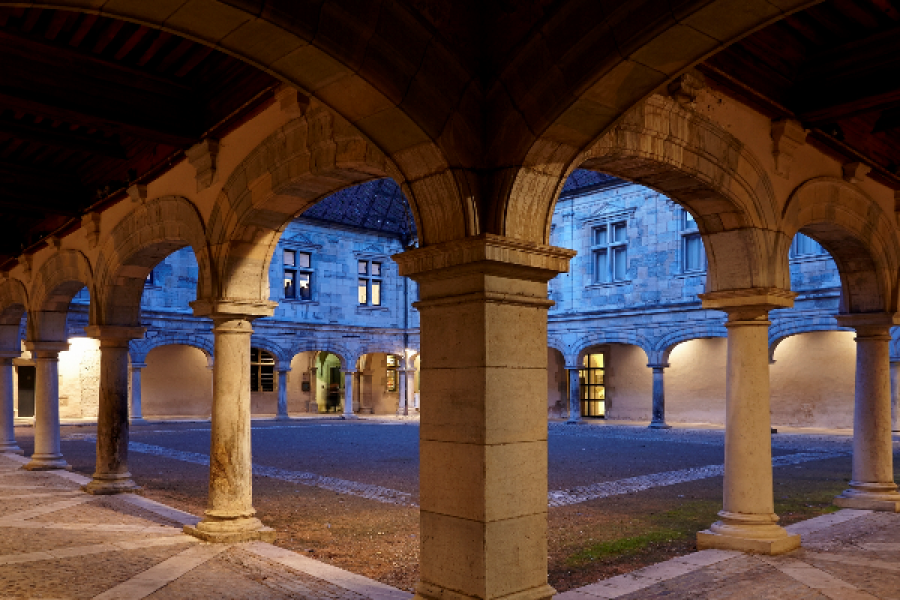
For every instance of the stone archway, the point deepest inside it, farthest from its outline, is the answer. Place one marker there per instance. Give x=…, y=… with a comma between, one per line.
x=54, y=285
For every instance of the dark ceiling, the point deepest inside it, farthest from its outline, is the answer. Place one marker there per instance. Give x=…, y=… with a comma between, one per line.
x=90, y=104
x=836, y=68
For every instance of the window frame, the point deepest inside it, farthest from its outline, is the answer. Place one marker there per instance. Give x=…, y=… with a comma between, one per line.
x=794, y=255
x=257, y=363
x=606, y=250
x=369, y=279
x=295, y=270
x=689, y=233
x=586, y=382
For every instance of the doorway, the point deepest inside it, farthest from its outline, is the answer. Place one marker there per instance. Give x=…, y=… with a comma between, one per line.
x=593, y=385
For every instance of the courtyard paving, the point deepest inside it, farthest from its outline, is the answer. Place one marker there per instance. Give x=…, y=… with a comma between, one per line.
x=343, y=496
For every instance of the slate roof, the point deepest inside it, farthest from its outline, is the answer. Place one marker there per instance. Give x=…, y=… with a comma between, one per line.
x=377, y=205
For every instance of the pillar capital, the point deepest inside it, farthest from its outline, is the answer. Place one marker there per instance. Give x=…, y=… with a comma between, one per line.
x=664, y=365
x=114, y=335
x=870, y=325
x=233, y=308
x=46, y=347
x=748, y=304
x=137, y=366
x=486, y=254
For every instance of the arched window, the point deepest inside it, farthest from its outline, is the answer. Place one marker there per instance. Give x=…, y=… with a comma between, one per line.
x=262, y=371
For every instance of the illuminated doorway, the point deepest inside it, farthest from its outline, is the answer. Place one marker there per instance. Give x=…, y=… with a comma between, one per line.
x=593, y=386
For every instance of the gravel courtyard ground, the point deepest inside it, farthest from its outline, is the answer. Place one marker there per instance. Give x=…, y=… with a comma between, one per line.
x=346, y=492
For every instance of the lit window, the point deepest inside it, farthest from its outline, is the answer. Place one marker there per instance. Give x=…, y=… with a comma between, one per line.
x=610, y=252
x=693, y=258
x=150, y=278
x=369, y=283
x=804, y=246
x=262, y=371
x=297, y=275
x=592, y=385
x=392, y=363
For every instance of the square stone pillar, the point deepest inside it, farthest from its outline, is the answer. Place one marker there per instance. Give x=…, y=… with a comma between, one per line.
x=137, y=410
x=402, y=406
x=282, y=408
x=872, y=484
x=111, y=475
x=658, y=420
x=574, y=395
x=348, y=395
x=483, y=434
x=747, y=520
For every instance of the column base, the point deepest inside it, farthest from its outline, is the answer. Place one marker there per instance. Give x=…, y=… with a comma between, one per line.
x=658, y=425
x=11, y=448
x=870, y=496
x=349, y=417
x=231, y=531
x=576, y=422
x=47, y=463
x=428, y=591
x=111, y=484
x=757, y=534
x=138, y=421
x=282, y=418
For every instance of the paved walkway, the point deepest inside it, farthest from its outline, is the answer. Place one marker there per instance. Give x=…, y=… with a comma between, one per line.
x=57, y=542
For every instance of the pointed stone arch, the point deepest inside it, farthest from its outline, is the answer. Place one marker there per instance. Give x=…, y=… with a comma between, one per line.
x=861, y=238
x=136, y=244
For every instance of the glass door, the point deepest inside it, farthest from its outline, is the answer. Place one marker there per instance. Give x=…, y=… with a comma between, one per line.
x=592, y=385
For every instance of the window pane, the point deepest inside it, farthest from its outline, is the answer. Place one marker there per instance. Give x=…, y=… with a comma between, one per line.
x=620, y=265
x=290, y=284
x=363, y=292
x=392, y=380
x=303, y=260
x=304, y=286
x=290, y=258
x=806, y=246
x=254, y=379
x=601, y=268
x=693, y=253
x=363, y=267
x=689, y=222
x=376, y=268
x=597, y=361
x=391, y=360
x=600, y=236
x=254, y=355
x=267, y=379
x=376, y=292
x=619, y=232
x=266, y=358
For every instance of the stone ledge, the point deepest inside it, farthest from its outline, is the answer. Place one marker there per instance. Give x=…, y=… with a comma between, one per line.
x=868, y=504
x=707, y=540
x=263, y=534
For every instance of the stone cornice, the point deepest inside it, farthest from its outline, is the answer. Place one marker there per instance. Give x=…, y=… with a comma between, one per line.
x=233, y=307
x=488, y=253
x=750, y=298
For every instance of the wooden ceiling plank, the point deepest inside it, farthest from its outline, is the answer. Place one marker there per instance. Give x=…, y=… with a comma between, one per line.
x=59, y=137
x=131, y=42
x=195, y=59
x=57, y=23
x=111, y=31
x=174, y=55
x=87, y=22
x=34, y=14
x=158, y=43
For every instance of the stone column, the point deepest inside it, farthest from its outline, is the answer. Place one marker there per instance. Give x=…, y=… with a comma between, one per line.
x=282, y=395
x=659, y=397
x=111, y=475
x=7, y=413
x=748, y=520
x=410, y=389
x=895, y=395
x=348, y=395
x=137, y=410
x=46, y=455
x=483, y=474
x=230, y=516
x=403, y=405
x=872, y=484
x=574, y=396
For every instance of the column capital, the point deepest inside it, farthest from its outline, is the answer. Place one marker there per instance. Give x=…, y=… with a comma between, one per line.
x=40, y=346
x=283, y=369
x=138, y=365
x=748, y=303
x=115, y=333
x=869, y=323
x=658, y=365
x=486, y=253
x=573, y=368
x=233, y=308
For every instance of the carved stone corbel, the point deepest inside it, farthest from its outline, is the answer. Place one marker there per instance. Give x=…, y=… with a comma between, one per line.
x=687, y=87
x=137, y=192
x=91, y=224
x=855, y=172
x=203, y=158
x=787, y=136
x=25, y=262
x=291, y=101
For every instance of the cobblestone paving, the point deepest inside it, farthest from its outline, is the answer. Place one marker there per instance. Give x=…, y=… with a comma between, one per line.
x=56, y=542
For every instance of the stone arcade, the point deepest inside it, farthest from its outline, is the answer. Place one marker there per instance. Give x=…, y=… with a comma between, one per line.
x=479, y=113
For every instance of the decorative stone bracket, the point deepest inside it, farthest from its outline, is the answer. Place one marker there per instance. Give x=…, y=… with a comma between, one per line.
x=855, y=172
x=137, y=192
x=203, y=158
x=787, y=136
x=91, y=224
x=291, y=101
x=25, y=262
x=687, y=87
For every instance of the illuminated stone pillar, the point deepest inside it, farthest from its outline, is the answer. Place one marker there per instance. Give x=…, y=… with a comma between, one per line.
x=574, y=395
x=483, y=436
x=47, y=455
x=895, y=395
x=872, y=484
x=348, y=395
x=403, y=405
x=137, y=410
x=282, y=395
x=7, y=411
x=111, y=475
x=747, y=520
x=658, y=420
x=230, y=516
x=410, y=388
